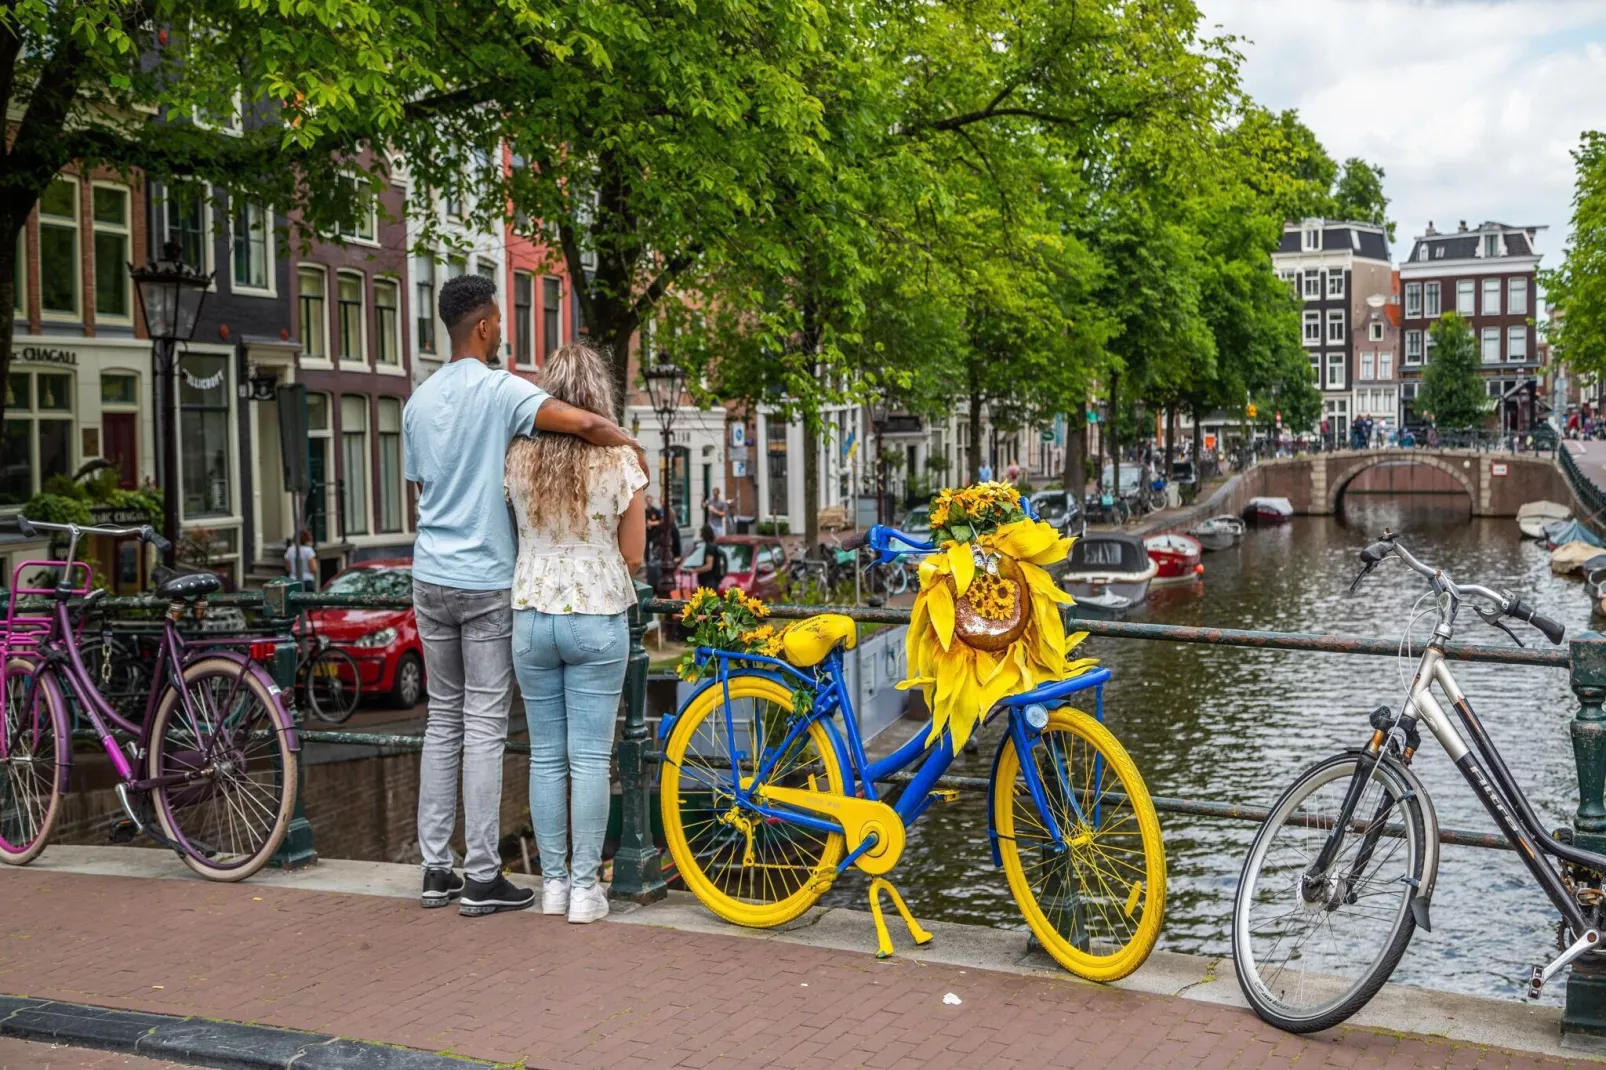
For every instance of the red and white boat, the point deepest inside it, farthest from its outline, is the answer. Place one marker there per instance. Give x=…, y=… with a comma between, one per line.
x=1175, y=556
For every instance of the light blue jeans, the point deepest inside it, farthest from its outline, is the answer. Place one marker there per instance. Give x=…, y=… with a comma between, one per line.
x=571, y=669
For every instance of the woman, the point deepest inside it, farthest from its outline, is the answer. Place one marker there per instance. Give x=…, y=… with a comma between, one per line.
x=582, y=532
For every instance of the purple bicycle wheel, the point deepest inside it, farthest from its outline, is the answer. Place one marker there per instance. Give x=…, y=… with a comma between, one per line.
x=34, y=757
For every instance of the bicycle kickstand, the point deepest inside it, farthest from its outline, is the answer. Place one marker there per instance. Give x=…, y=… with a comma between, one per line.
x=883, y=938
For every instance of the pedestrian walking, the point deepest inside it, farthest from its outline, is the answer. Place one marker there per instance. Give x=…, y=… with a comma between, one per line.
x=582, y=523
x=301, y=560
x=715, y=508
x=456, y=430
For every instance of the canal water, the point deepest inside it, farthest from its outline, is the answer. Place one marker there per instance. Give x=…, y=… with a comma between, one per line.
x=1237, y=725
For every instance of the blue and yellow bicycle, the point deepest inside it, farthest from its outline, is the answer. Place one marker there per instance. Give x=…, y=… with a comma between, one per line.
x=768, y=796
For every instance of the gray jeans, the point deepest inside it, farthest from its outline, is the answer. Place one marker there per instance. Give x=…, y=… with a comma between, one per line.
x=468, y=659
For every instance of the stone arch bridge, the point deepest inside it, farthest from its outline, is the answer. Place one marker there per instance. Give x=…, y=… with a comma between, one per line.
x=1497, y=484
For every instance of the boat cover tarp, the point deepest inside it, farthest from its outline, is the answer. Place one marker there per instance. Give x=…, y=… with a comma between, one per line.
x=1109, y=552
x=1572, y=556
x=1573, y=531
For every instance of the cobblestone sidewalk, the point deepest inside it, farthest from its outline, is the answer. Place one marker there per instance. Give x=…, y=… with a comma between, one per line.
x=525, y=987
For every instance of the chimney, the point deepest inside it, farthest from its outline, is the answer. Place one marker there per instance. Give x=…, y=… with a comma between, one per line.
x=1463, y=227
x=1431, y=231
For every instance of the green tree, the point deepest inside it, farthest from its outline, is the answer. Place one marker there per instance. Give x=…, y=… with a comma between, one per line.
x=1359, y=195
x=1452, y=394
x=1578, y=288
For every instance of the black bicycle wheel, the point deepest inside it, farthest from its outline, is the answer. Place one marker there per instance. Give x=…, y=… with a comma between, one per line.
x=121, y=676
x=332, y=685
x=1307, y=962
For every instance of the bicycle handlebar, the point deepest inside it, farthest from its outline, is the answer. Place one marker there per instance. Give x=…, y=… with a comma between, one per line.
x=145, y=532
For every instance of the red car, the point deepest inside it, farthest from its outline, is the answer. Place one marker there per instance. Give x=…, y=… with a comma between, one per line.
x=752, y=562
x=383, y=642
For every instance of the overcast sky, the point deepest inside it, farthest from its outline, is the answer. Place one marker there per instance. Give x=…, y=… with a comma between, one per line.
x=1470, y=106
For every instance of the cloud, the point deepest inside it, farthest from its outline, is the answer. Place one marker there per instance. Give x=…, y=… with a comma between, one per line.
x=1470, y=106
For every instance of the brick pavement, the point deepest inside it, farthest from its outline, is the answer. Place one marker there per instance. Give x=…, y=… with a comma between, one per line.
x=28, y=1055
x=525, y=987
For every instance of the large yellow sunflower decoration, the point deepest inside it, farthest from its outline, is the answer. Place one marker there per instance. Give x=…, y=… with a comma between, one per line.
x=986, y=622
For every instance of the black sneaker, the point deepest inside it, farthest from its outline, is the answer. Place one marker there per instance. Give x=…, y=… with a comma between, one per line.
x=489, y=897
x=441, y=886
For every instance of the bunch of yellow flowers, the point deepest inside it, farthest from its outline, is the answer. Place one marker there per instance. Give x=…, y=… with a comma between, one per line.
x=725, y=621
x=993, y=597
x=959, y=515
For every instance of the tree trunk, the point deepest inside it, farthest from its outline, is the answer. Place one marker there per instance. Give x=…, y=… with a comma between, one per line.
x=1198, y=440
x=811, y=483
x=1115, y=433
x=1170, y=438
x=1076, y=452
x=973, y=420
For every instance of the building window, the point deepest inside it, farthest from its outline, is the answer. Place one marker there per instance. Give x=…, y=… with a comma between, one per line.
x=1491, y=345
x=1313, y=328
x=488, y=269
x=1517, y=343
x=319, y=467
x=1335, y=370
x=1413, y=347
x=314, y=325
x=1491, y=245
x=203, y=398
x=1430, y=299
x=1335, y=326
x=1385, y=364
x=362, y=222
x=454, y=203
x=1413, y=300
x=1312, y=239
x=523, y=318
x=387, y=322
x=1517, y=296
x=110, y=213
x=38, y=433
x=390, y=466
x=1374, y=332
x=354, y=454
x=1313, y=284
x=58, y=248
x=1366, y=365
x=1491, y=297
x=184, y=222
x=19, y=277
x=551, y=316
x=1315, y=371
x=424, y=302
x=1465, y=293
x=1335, y=284
x=119, y=425
x=455, y=266
x=348, y=321
x=253, y=248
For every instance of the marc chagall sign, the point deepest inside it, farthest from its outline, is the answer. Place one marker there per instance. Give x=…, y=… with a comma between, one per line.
x=46, y=355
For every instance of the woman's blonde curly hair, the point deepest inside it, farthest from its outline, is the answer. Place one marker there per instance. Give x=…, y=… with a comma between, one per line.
x=555, y=470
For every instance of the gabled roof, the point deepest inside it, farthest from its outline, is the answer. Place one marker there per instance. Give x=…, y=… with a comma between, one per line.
x=1363, y=239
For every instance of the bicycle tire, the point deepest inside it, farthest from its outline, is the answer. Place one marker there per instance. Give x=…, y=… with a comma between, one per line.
x=1261, y=984
x=1115, y=863
x=31, y=790
x=126, y=684
x=332, y=685
x=259, y=744
x=698, y=805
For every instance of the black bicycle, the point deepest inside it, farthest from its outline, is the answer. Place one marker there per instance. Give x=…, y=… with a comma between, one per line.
x=326, y=676
x=1342, y=872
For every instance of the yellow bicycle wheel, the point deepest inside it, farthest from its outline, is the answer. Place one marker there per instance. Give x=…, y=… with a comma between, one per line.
x=1096, y=904
x=748, y=869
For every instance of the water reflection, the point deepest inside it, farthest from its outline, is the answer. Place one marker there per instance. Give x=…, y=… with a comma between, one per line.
x=1238, y=724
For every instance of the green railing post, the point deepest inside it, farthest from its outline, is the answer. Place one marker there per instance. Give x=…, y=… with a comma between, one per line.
x=1584, y=1016
x=637, y=870
x=297, y=850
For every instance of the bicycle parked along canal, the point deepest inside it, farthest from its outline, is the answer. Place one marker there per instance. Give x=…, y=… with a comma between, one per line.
x=210, y=771
x=1342, y=872
x=768, y=795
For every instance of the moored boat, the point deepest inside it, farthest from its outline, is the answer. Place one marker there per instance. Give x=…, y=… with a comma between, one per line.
x=1109, y=563
x=1559, y=533
x=1175, y=556
x=1219, y=532
x=1576, y=557
x=1104, y=606
x=1268, y=511
x=1533, y=518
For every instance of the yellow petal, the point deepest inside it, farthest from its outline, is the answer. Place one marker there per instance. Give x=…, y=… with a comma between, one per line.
x=915, y=681
x=1042, y=583
x=932, y=569
x=1026, y=538
x=1074, y=640
x=940, y=604
x=963, y=566
x=1080, y=666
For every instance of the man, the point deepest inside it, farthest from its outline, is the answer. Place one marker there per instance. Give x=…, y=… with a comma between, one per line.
x=456, y=430
x=715, y=507
x=984, y=474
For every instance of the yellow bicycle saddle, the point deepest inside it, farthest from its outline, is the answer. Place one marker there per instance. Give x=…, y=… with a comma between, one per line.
x=808, y=641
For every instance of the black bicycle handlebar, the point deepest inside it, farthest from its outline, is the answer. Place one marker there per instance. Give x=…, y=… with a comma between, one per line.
x=856, y=540
x=1552, y=630
x=1377, y=551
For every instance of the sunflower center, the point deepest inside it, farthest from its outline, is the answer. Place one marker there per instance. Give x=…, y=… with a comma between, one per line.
x=992, y=597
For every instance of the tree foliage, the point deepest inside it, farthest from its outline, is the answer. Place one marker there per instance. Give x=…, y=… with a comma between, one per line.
x=1578, y=288
x=1452, y=393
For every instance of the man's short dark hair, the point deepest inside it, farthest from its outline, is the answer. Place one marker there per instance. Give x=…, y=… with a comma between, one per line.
x=462, y=297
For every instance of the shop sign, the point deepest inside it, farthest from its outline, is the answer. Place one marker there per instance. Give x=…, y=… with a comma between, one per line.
x=1497, y=469
x=46, y=355
x=110, y=514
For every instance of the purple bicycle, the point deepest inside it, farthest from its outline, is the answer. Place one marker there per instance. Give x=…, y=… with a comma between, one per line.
x=211, y=770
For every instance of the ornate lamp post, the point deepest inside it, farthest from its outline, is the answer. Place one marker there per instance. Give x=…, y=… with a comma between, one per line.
x=170, y=298
x=664, y=382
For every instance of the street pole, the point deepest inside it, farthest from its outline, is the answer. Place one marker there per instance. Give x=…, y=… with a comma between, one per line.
x=163, y=350
x=666, y=566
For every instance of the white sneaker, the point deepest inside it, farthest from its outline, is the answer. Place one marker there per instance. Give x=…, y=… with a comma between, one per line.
x=587, y=905
x=555, y=896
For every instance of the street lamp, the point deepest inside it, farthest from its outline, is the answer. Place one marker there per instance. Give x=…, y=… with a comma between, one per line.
x=170, y=297
x=878, y=422
x=664, y=382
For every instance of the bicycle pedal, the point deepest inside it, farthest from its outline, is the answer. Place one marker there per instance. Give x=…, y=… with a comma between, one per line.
x=947, y=795
x=1536, y=981
x=122, y=830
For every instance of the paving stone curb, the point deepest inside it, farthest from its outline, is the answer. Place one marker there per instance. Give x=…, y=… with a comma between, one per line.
x=209, y=1042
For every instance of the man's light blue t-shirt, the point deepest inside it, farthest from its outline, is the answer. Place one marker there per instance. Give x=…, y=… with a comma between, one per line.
x=455, y=433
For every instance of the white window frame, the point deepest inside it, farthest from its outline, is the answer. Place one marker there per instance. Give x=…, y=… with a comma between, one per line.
x=1367, y=369
x=362, y=356
x=1484, y=246
x=1517, y=295
x=1517, y=344
x=1490, y=287
x=397, y=367
x=1466, y=298
x=28, y=411
x=1335, y=326
x=325, y=360
x=355, y=235
x=1413, y=359
x=126, y=230
x=268, y=252
x=1432, y=303
x=1413, y=300
x=367, y=486
x=1385, y=364
x=1374, y=332
x=1313, y=328
x=1489, y=335
x=530, y=317
x=399, y=485
x=427, y=261
x=235, y=127
x=1311, y=239
x=1335, y=371
x=1312, y=285
x=208, y=254
x=1335, y=284
x=77, y=225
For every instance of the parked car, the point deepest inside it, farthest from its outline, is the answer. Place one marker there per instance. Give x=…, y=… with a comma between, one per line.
x=752, y=563
x=1061, y=510
x=1132, y=491
x=383, y=642
x=917, y=522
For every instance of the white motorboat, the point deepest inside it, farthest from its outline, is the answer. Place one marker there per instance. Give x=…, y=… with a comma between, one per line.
x=1533, y=518
x=1109, y=563
x=1219, y=532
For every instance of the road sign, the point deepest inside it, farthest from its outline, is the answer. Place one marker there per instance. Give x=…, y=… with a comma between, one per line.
x=1046, y=435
